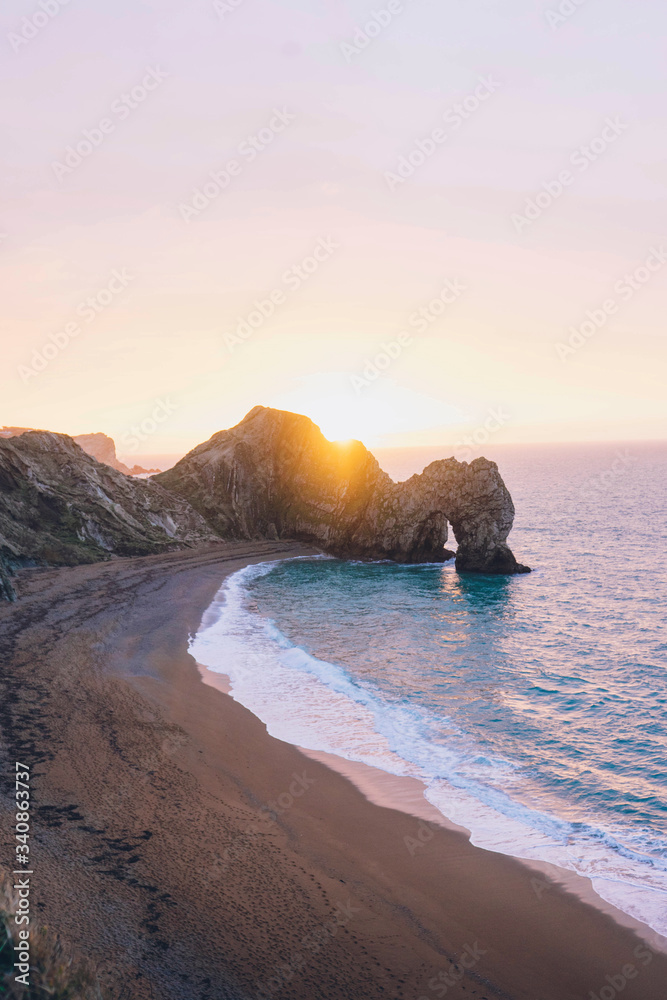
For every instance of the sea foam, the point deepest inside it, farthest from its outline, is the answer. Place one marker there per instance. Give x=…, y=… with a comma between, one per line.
x=316, y=704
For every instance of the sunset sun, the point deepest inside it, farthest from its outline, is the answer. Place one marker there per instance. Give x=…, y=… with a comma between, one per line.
x=344, y=412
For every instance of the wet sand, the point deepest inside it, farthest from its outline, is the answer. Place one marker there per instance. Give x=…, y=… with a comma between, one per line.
x=192, y=856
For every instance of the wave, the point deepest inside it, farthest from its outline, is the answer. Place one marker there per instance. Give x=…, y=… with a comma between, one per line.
x=317, y=705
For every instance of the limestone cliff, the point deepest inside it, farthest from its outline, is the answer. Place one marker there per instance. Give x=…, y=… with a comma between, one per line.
x=59, y=506
x=99, y=445
x=275, y=475
x=103, y=448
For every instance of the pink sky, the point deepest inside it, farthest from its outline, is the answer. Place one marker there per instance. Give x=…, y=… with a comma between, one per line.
x=361, y=181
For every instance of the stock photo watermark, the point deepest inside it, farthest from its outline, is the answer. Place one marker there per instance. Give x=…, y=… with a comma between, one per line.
x=419, y=320
x=495, y=420
x=581, y=158
x=286, y=799
x=292, y=279
x=556, y=16
x=121, y=108
x=424, y=834
x=271, y=811
x=312, y=943
x=247, y=151
x=25, y=868
x=367, y=32
x=625, y=289
x=447, y=979
x=89, y=309
x=616, y=983
x=225, y=7
x=426, y=147
x=540, y=886
x=139, y=433
x=33, y=24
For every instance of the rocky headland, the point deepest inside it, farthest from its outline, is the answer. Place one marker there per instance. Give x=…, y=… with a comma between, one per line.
x=61, y=507
x=273, y=476
x=100, y=446
x=103, y=448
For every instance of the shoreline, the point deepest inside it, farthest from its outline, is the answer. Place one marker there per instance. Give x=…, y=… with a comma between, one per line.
x=408, y=794
x=405, y=794
x=191, y=855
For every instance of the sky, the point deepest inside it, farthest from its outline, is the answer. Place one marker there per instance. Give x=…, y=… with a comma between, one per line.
x=414, y=222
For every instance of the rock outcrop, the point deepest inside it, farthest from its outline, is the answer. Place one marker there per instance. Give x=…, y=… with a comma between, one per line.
x=99, y=445
x=274, y=475
x=7, y=592
x=60, y=506
x=103, y=448
x=8, y=432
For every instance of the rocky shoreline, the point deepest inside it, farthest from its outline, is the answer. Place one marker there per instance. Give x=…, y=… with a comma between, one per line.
x=272, y=477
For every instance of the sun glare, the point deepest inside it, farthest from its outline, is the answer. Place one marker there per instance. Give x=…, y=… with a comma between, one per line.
x=336, y=422
x=367, y=416
x=346, y=418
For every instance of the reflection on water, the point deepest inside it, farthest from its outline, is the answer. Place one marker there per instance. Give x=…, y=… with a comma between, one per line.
x=541, y=699
x=552, y=669
x=481, y=592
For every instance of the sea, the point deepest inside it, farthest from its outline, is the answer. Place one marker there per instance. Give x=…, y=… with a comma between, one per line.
x=532, y=707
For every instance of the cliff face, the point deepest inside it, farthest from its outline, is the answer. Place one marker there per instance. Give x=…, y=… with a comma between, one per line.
x=103, y=448
x=275, y=475
x=100, y=446
x=59, y=506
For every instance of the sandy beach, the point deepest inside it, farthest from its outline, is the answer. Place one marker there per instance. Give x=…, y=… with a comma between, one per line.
x=190, y=855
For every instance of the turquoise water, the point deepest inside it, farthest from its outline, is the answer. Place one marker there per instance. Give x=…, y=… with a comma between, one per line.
x=534, y=707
